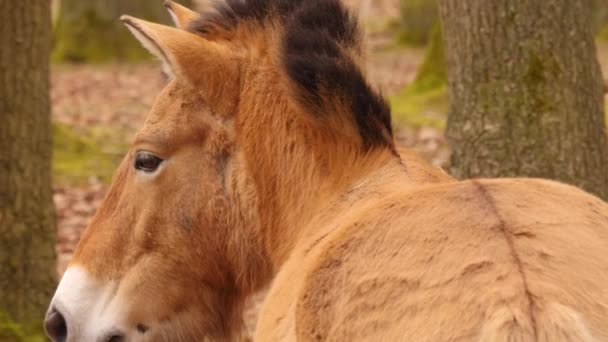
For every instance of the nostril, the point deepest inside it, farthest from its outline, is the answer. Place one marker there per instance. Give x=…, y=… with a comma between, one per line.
x=116, y=337
x=55, y=326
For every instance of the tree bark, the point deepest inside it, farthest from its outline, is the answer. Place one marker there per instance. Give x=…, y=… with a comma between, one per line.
x=600, y=18
x=90, y=31
x=27, y=222
x=525, y=91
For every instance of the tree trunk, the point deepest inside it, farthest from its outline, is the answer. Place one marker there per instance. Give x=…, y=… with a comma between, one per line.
x=90, y=31
x=525, y=89
x=27, y=230
x=418, y=18
x=600, y=18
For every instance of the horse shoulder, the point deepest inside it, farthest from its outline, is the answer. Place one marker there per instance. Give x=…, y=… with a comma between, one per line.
x=297, y=283
x=419, y=170
x=455, y=253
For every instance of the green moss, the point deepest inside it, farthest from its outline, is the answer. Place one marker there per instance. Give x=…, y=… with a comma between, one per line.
x=91, y=38
x=9, y=330
x=77, y=157
x=541, y=70
x=417, y=20
x=375, y=25
x=420, y=109
x=600, y=18
x=432, y=73
x=424, y=102
x=12, y=331
x=603, y=33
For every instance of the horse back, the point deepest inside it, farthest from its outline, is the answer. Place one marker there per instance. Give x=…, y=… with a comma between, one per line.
x=516, y=260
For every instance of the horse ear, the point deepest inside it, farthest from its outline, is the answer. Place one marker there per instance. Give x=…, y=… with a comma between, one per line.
x=210, y=66
x=181, y=15
x=179, y=50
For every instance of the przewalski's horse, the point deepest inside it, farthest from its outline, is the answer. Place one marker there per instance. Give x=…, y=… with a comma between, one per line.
x=268, y=157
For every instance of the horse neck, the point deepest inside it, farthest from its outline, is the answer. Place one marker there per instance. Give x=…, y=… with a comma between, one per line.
x=296, y=168
x=297, y=162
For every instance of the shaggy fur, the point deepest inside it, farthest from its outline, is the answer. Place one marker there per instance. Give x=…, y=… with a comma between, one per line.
x=272, y=176
x=487, y=260
x=319, y=47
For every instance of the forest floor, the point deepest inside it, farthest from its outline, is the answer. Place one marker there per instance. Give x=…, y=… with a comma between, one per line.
x=98, y=108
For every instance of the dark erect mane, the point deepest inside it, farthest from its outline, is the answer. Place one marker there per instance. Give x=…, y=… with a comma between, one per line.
x=320, y=47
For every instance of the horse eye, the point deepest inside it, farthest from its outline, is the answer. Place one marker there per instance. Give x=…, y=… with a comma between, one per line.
x=147, y=162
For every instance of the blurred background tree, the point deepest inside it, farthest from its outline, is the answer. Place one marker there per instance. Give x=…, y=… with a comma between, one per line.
x=427, y=92
x=418, y=17
x=526, y=91
x=27, y=222
x=600, y=18
x=89, y=31
x=432, y=74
